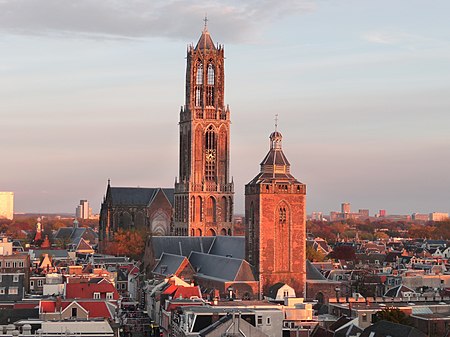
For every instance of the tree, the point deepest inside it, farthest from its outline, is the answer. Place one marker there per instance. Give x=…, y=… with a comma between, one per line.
x=129, y=243
x=394, y=315
x=343, y=253
x=314, y=255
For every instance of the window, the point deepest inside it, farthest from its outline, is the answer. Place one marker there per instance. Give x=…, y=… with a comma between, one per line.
x=282, y=215
x=40, y=283
x=268, y=322
x=16, y=278
x=32, y=284
x=260, y=320
x=74, y=312
x=210, y=74
x=199, y=79
x=96, y=296
x=124, y=286
x=2, y=291
x=13, y=290
x=0, y=278
x=8, y=264
x=210, y=150
x=109, y=296
x=21, y=265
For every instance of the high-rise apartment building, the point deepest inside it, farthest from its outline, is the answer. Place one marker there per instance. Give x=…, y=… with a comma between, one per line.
x=83, y=211
x=7, y=205
x=345, y=207
x=437, y=216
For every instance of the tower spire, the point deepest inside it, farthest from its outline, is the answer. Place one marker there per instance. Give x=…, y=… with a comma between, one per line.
x=276, y=122
x=205, y=28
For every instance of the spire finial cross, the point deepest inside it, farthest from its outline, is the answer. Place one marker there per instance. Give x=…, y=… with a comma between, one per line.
x=206, y=21
x=276, y=122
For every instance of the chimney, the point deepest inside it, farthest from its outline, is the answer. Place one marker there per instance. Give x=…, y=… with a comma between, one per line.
x=58, y=304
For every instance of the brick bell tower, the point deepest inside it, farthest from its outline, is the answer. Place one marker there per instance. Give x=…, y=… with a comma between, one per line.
x=203, y=191
x=275, y=236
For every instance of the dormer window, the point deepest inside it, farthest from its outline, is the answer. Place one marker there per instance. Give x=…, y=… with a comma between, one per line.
x=96, y=296
x=109, y=296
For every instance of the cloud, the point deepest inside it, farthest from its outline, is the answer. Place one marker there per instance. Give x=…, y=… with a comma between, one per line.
x=381, y=37
x=236, y=20
x=402, y=39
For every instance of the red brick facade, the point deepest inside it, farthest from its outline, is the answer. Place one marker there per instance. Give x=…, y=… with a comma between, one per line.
x=204, y=193
x=276, y=223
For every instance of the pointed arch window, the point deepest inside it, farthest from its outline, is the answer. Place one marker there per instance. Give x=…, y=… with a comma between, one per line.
x=199, y=80
x=210, y=151
x=199, y=86
x=210, y=74
x=282, y=215
x=210, y=85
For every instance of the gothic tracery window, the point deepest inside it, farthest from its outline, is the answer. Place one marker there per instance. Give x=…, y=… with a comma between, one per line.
x=199, y=86
x=282, y=215
x=210, y=74
x=210, y=86
x=199, y=80
x=210, y=152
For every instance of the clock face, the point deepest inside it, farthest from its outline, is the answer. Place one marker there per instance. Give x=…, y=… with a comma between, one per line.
x=210, y=155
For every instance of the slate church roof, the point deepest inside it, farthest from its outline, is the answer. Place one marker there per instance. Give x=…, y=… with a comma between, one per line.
x=169, y=264
x=138, y=196
x=231, y=269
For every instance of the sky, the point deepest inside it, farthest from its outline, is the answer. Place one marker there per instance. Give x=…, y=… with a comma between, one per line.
x=90, y=90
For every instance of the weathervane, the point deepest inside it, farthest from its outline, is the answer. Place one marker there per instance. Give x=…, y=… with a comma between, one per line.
x=276, y=122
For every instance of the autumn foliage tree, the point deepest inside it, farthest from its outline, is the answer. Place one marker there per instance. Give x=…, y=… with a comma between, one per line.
x=129, y=243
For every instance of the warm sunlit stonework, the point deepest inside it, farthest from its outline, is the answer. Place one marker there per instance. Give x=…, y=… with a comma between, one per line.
x=276, y=222
x=204, y=192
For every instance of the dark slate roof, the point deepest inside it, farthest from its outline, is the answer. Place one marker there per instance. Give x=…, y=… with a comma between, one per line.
x=273, y=290
x=169, y=193
x=220, y=268
x=267, y=177
x=386, y=328
x=312, y=273
x=168, y=264
x=396, y=291
x=275, y=157
x=205, y=41
x=232, y=246
x=180, y=245
x=339, y=323
x=350, y=330
x=136, y=196
x=57, y=253
x=64, y=233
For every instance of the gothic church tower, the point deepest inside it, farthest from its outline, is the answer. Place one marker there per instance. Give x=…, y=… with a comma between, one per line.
x=275, y=234
x=203, y=192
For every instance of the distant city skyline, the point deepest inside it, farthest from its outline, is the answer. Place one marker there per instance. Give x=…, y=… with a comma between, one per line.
x=92, y=91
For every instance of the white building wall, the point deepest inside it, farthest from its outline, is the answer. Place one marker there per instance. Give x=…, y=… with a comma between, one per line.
x=7, y=205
